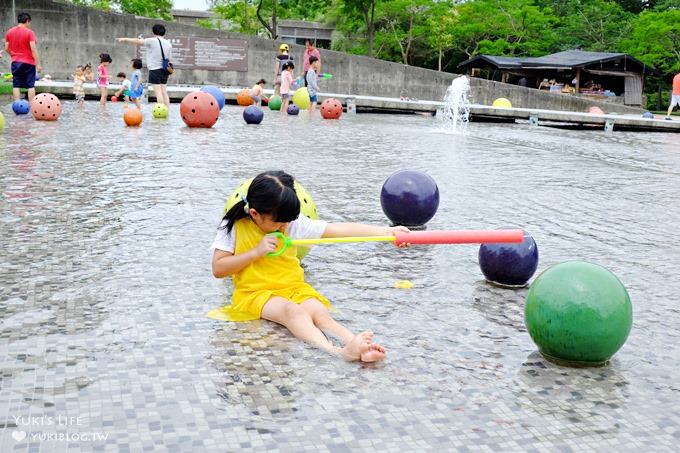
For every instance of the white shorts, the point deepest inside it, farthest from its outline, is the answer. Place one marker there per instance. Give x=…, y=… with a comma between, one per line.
x=675, y=100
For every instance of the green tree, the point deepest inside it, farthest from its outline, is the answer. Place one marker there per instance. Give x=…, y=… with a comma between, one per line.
x=147, y=8
x=401, y=22
x=655, y=39
x=596, y=25
x=440, y=29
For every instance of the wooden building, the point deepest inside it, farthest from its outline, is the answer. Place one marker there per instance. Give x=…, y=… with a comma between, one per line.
x=597, y=74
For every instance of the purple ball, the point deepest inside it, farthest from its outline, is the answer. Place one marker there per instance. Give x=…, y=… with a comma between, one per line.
x=253, y=114
x=293, y=109
x=409, y=198
x=509, y=264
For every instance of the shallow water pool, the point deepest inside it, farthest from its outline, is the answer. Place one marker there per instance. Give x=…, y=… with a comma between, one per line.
x=105, y=282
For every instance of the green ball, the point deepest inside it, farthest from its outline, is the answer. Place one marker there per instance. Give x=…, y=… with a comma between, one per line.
x=2, y=121
x=578, y=314
x=307, y=205
x=275, y=102
x=160, y=111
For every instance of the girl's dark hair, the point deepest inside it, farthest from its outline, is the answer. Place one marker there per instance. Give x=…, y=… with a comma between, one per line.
x=104, y=57
x=137, y=63
x=261, y=82
x=287, y=65
x=121, y=74
x=271, y=193
x=158, y=30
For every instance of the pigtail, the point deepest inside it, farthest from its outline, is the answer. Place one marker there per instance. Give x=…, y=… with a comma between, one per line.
x=234, y=214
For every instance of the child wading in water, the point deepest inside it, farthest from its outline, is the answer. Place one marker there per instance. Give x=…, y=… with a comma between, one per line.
x=286, y=82
x=274, y=288
x=78, y=81
x=257, y=90
x=103, y=77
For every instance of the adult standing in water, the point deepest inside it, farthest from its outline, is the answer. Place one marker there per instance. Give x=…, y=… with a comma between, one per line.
x=310, y=51
x=22, y=46
x=157, y=49
x=675, y=96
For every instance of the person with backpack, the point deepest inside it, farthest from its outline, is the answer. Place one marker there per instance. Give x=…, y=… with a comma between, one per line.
x=281, y=59
x=158, y=55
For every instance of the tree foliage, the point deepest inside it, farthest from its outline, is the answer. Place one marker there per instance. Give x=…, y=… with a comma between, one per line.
x=147, y=8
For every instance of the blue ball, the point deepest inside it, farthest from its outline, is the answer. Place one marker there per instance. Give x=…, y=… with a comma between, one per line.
x=21, y=107
x=216, y=93
x=509, y=264
x=409, y=198
x=253, y=114
x=648, y=115
x=293, y=109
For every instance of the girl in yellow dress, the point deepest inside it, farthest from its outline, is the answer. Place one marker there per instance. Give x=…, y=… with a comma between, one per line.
x=274, y=288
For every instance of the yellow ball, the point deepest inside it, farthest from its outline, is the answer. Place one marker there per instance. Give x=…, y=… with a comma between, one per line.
x=2, y=121
x=301, y=98
x=403, y=284
x=307, y=205
x=502, y=103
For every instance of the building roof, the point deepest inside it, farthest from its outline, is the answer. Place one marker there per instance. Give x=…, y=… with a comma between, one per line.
x=305, y=24
x=561, y=60
x=191, y=13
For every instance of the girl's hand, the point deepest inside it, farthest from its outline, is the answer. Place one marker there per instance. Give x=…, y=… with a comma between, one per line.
x=400, y=229
x=268, y=244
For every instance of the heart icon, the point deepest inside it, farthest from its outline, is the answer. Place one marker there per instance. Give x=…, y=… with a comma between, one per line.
x=19, y=435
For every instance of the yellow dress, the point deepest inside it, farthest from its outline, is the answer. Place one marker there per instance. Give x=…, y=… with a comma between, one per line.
x=264, y=278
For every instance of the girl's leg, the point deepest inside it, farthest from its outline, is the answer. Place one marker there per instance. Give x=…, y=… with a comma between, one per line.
x=300, y=324
x=102, y=98
x=323, y=320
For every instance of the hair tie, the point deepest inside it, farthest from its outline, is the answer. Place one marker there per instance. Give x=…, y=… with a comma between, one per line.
x=246, y=208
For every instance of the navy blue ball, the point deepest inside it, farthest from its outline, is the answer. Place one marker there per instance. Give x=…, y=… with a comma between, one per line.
x=293, y=109
x=21, y=107
x=648, y=115
x=216, y=93
x=409, y=198
x=253, y=114
x=509, y=264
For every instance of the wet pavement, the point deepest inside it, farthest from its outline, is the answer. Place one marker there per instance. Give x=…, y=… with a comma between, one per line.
x=105, y=282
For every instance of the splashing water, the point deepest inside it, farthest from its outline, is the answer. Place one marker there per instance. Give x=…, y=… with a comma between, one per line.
x=455, y=113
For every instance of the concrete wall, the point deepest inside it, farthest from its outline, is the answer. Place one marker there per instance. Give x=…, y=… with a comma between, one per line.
x=70, y=35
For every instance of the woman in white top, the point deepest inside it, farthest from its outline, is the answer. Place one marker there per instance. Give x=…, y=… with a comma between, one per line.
x=156, y=49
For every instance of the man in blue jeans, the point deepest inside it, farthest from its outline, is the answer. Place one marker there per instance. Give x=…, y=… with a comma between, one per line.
x=21, y=45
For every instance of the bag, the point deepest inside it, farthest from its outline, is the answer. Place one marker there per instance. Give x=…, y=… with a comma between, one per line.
x=169, y=68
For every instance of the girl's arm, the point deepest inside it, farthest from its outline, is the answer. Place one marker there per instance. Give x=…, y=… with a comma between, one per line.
x=335, y=230
x=225, y=264
x=137, y=41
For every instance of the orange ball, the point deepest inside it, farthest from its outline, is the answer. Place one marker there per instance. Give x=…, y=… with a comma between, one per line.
x=243, y=98
x=331, y=109
x=199, y=109
x=45, y=107
x=132, y=117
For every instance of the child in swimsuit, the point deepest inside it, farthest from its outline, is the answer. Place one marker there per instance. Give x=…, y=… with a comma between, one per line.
x=257, y=90
x=78, y=81
x=103, y=77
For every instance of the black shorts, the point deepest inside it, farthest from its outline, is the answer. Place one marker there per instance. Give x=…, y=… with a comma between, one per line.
x=23, y=75
x=158, y=77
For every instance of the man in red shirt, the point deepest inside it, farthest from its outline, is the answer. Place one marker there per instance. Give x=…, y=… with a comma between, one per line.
x=675, y=96
x=21, y=44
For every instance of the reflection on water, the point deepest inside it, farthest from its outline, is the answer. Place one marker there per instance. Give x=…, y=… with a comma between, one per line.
x=105, y=282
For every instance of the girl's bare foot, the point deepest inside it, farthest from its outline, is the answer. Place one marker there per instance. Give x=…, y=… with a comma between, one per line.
x=375, y=353
x=357, y=346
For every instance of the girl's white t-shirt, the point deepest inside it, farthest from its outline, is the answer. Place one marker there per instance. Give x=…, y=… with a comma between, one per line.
x=301, y=228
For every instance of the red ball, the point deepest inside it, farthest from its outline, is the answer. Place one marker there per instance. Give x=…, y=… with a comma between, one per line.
x=331, y=109
x=114, y=99
x=45, y=107
x=199, y=109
